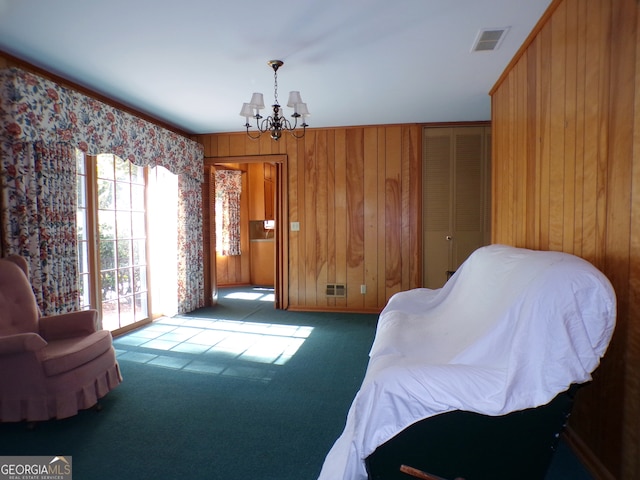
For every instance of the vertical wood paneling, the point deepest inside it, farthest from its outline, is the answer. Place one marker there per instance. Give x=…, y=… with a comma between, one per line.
x=570, y=84
x=520, y=174
x=557, y=57
x=265, y=145
x=356, y=194
x=496, y=179
x=632, y=427
x=309, y=225
x=322, y=218
x=591, y=133
x=581, y=53
x=370, y=217
x=355, y=214
x=544, y=136
x=224, y=147
x=236, y=145
x=300, y=265
x=410, y=173
x=531, y=95
x=618, y=239
x=407, y=254
x=393, y=213
x=331, y=214
x=340, y=189
x=510, y=175
x=603, y=131
x=294, y=213
x=382, y=219
x=582, y=144
x=412, y=185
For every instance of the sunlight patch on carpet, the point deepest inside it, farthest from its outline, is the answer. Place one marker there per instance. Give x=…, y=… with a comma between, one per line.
x=261, y=294
x=244, y=295
x=251, y=350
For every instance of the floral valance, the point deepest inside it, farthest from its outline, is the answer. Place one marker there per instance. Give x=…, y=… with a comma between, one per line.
x=34, y=108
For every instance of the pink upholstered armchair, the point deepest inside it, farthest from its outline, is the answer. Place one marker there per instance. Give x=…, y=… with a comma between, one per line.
x=50, y=367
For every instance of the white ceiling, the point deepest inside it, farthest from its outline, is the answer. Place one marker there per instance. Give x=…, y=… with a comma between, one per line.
x=192, y=63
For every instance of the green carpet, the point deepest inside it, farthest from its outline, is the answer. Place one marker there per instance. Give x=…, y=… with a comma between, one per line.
x=239, y=391
x=222, y=414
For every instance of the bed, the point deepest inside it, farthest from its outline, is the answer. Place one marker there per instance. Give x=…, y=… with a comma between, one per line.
x=506, y=341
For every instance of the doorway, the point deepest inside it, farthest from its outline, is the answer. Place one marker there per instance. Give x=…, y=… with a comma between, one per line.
x=238, y=269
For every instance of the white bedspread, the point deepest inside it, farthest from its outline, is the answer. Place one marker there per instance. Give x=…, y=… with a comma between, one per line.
x=510, y=330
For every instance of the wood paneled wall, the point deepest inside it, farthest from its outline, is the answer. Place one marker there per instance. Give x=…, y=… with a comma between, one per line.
x=356, y=194
x=566, y=176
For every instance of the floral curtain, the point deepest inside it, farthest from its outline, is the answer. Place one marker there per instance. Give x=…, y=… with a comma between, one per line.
x=39, y=214
x=228, y=189
x=190, y=249
x=38, y=112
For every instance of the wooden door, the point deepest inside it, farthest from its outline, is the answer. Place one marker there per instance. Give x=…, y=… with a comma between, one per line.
x=455, y=198
x=437, y=200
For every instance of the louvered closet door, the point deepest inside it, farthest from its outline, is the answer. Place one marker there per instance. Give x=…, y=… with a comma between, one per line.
x=455, y=182
x=468, y=213
x=437, y=200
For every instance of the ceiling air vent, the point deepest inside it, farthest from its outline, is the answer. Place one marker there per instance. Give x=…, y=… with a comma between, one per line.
x=489, y=39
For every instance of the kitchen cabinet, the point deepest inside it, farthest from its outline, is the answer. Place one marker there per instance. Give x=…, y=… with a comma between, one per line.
x=262, y=178
x=263, y=262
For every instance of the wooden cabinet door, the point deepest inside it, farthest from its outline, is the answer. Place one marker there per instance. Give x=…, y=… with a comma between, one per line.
x=262, y=263
x=269, y=191
x=256, y=192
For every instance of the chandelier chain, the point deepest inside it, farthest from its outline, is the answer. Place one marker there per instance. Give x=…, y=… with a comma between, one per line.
x=275, y=85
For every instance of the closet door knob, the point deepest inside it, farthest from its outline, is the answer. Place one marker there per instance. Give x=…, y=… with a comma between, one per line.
x=448, y=237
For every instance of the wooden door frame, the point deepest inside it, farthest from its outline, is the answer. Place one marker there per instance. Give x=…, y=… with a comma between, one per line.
x=281, y=284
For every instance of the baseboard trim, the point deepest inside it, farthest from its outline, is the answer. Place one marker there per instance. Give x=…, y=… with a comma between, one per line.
x=586, y=456
x=297, y=308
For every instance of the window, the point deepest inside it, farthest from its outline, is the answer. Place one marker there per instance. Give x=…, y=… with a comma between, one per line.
x=112, y=218
x=84, y=239
x=228, y=190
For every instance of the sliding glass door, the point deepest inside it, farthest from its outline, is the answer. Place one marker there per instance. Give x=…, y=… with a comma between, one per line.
x=112, y=234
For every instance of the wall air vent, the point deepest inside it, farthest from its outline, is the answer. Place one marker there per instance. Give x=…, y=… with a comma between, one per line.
x=489, y=39
x=336, y=290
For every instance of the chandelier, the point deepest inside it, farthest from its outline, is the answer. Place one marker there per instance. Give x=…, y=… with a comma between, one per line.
x=276, y=123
